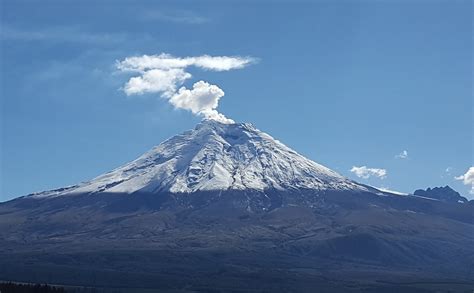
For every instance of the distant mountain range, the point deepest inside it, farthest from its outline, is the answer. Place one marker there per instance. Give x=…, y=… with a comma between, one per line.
x=446, y=194
x=226, y=207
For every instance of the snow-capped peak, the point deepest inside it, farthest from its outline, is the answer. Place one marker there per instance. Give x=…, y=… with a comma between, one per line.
x=217, y=156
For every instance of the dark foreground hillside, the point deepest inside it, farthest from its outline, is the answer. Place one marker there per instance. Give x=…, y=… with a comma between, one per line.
x=240, y=242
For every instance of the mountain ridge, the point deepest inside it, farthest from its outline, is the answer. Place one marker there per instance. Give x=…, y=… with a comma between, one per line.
x=445, y=193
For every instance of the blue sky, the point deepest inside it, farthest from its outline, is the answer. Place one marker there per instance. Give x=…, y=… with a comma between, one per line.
x=345, y=83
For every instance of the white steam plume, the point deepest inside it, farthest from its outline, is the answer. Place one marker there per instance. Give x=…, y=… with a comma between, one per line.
x=202, y=99
x=164, y=73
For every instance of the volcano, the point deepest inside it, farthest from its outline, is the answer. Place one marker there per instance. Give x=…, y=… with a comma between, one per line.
x=226, y=207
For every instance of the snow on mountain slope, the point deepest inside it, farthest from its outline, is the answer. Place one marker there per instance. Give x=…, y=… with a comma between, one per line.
x=383, y=189
x=216, y=156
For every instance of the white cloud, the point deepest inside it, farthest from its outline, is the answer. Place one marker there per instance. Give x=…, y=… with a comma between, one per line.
x=202, y=99
x=167, y=61
x=156, y=80
x=468, y=179
x=163, y=74
x=365, y=172
x=447, y=172
x=402, y=155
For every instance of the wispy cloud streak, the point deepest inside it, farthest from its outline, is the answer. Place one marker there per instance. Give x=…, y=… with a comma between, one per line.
x=61, y=34
x=402, y=155
x=179, y=17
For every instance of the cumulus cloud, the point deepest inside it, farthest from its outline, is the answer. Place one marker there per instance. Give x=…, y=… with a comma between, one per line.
x=202, y=99
x=366, y=173
x=156, y=81
x=164, y=73
x=402, y=155
x=468, y=179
